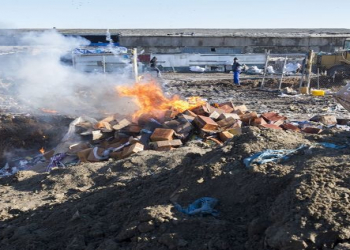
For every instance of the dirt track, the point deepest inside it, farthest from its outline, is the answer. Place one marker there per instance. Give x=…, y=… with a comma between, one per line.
x=301, y=203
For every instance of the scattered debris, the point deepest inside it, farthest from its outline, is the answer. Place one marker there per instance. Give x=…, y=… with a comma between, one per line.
x=271, y=156
x=202, y=206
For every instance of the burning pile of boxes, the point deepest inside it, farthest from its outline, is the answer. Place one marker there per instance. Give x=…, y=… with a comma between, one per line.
x=119, y=138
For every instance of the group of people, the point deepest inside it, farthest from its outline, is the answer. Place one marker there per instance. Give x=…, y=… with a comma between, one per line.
x=236, y=69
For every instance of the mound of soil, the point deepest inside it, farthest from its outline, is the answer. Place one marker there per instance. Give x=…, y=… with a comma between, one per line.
x=23, y=135
x=301, y=203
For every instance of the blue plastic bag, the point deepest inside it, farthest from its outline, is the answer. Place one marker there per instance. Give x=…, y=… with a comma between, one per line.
x=202, y=206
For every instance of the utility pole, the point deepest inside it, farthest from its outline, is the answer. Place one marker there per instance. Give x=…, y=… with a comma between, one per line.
x=134, y=52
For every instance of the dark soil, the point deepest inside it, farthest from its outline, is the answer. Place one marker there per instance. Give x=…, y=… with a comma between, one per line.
x=300, y=203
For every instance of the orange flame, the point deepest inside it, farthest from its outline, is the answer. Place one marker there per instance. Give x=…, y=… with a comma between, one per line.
x=42, y=150
x=151, y=100
x=48, y=111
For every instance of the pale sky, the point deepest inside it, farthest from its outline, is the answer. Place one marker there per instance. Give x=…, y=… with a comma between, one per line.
x=171, y=14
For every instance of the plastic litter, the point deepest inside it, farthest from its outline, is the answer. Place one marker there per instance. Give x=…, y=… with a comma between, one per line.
x=292, y=67
x=334, y=146
x=270, y=70
x=317, y=92
x=197, y=69
x=270, y=155
x=202, y=206
x=343, y=127
x=254, y=70
x=55, y=161
x=20, y=164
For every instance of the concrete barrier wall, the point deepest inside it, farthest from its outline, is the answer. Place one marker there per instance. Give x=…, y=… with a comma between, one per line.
x=244, y=44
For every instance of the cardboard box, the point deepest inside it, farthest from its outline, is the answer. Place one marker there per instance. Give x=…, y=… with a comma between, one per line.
x=134, y=129
x=258, y=121
x=190, y=113
x=206, y=123
x=162, y=134
x=227, y=108
x=228, y=122
x=248, y=118
x=171, y=143
x=92, y=158
x=116, y=155
x=170, y=114
x=235, y=130
x=241, y=109
x=274, y=118
x=229, y=103
x=84, y=154
x=96, y=135
x=214, y=115
x=225, y=135
x=202, y=110
x=288, y=126
x=188, y=118
x=122, y=124
x=227, y=115
x=328, y=120
x=132, y=149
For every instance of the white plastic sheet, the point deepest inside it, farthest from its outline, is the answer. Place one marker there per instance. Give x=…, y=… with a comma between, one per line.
x=270, y=70
x=197, y=69
x=292, y=67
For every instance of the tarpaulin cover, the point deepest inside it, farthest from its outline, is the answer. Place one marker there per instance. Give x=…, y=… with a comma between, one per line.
x=114, y=50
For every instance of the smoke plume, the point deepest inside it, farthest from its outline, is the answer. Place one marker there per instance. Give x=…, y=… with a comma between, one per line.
x=41, y=80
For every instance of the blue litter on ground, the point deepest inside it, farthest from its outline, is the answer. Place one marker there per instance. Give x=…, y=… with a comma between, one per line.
x=202, y=206
x=270, y=155
x=334, y=146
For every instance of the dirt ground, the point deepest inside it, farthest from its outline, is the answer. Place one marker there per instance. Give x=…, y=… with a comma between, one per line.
x=300, y=203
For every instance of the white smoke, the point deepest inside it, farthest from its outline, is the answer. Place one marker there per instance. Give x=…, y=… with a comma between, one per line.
x=43, y=81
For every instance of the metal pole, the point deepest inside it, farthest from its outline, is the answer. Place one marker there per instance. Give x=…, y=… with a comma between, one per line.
x=284, y=65
x=266, y=62
x=135, y=64
x=104, y=64
x=302, y=75
x=309, y=68
x=318, y=78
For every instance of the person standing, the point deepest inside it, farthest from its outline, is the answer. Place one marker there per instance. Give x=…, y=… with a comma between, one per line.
x=236, y=68
x=153, y=63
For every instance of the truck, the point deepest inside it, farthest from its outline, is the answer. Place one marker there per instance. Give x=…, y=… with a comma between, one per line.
x=335, y=63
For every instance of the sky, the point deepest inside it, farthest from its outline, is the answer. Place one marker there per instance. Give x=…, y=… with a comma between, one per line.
x=172, y=14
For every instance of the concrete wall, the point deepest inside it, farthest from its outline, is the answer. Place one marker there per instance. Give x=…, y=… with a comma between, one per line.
x=163, y=44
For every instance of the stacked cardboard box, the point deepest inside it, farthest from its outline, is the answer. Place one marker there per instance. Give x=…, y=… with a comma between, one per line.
x=119, y=136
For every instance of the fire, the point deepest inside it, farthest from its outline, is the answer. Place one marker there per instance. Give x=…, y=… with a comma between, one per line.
x=151, y=99
x=48, y=111
x=42, y=150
